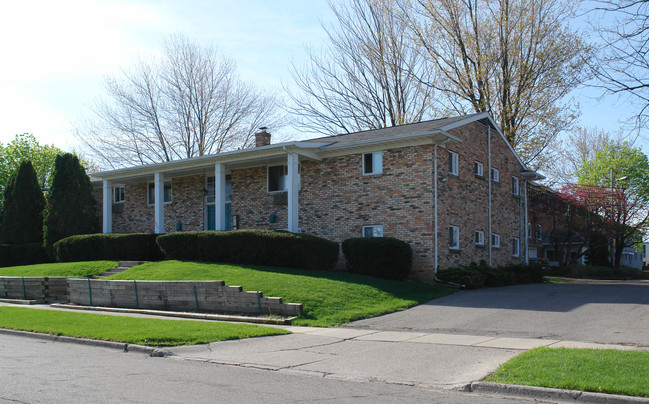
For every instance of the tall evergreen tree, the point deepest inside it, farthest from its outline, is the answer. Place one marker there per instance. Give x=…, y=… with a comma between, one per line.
x=71, y=206
x=23, y=207
x=7, y=196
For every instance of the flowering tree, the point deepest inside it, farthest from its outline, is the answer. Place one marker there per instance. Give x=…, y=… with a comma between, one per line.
x=614, y=186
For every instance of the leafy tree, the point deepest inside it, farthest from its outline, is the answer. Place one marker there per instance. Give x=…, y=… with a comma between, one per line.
x=23, y=208
x=26, y=147
x=516, y=59
x=615, y=184
x=187, y=103
x=71, y=206
x=370, y=76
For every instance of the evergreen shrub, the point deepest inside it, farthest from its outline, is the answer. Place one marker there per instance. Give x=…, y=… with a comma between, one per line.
x=474, y=276
x=94, y=247
x=251, y=247
x=381, y=257
x=22, y=254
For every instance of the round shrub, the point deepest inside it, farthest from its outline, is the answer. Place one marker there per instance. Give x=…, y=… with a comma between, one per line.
x=251, y=247
x=93, y=247
x=381, y=257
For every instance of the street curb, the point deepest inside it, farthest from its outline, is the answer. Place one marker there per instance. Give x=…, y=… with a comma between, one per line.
x=122, y=346
x=552, y=394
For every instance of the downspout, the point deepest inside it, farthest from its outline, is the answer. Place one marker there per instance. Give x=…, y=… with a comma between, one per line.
x=527, y=227
x=489, y=204
x=435, y=209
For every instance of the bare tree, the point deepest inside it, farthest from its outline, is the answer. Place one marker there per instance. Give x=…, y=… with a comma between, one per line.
x=516, y=59
x=187, y=103
x=569, y=154
x=369, y=78
x=621, y=69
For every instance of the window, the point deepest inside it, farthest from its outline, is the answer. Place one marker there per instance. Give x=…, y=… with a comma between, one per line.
x=373, y=231
x=479, y=237
x=453, y=165
x=151, y=193
x=529, y=230
x=453, y=237
x=515, y=188
x=539, y=232
x=516, y=247
x=372, y=163
x=211, y=193
x=495, y=240
x=479, y=169
x=118, y=194
x=277, y=178
x=495, y=175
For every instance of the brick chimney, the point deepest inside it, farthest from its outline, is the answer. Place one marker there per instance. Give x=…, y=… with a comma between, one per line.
x=262, y=138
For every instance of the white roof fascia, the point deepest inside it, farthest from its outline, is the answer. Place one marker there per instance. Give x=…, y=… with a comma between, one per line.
x=478, y=117
x=391, y=142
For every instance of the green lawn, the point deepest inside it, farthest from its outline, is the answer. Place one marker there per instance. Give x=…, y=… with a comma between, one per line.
x=70, y=269
x=329, y=298
x=604, y=371
x=144, y=331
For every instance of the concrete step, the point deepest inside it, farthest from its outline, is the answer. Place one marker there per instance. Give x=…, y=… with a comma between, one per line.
x=129, y=264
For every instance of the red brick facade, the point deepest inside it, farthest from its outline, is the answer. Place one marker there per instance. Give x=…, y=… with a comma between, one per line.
x=336, y=200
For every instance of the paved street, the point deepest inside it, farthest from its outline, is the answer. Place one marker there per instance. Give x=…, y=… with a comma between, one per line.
x=591, y=311
x=33, y=371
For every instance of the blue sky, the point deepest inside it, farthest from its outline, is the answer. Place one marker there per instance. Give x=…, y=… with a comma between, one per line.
x=56, y=54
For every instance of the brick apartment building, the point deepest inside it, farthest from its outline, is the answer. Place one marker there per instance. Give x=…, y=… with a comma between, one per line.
x=453, y=188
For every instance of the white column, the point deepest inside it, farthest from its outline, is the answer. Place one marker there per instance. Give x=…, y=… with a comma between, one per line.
x=108, y=207
x=159, y=192
x=293, y=202
x=219, y=197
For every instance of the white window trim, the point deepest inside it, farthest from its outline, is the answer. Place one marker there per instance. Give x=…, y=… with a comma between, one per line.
x=516, y=247
x=516, y=186
x=456, y=238
x=377, y=163
x=372, y=226
x=479, y=169
x=454, y=168
x=495, y=175
x=123, y=193
x=495, y=240
x=479, y=240
x=148, y=202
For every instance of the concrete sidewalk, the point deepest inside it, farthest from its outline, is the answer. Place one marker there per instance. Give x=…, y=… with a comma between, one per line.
x=408, y=358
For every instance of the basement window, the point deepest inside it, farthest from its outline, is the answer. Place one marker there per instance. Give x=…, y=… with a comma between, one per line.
x=373, y=231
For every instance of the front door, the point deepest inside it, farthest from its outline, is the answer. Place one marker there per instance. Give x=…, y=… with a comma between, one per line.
x=228, y=217
x=209, y=203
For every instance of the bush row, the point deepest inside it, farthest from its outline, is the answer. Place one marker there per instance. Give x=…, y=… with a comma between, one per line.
x=387, y=257
x=22, y=254
x=93, y=247
x=253, y=247
x=597, y=272
x=381, y=257
x=474, y=276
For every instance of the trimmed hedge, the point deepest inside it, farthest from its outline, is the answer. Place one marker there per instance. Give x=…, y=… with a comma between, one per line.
x=251, y=247
x=381, y=257
x=474, y=276
x=22, y=254
x=94, y=247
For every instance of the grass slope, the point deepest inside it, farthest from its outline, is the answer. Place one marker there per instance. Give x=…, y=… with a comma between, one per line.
x=144, y=331
x=71, y=269
x=329, y=298
x=603, y=371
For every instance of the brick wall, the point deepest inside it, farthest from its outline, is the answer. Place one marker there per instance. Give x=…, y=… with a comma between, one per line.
x=337, y=200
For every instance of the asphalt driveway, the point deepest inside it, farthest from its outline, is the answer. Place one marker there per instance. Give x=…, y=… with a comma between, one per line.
x=589, y=311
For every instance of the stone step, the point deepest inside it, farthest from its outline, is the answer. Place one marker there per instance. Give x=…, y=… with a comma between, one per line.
x=129, y=264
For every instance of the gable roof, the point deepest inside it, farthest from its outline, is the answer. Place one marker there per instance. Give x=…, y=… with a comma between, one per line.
x=430, y=132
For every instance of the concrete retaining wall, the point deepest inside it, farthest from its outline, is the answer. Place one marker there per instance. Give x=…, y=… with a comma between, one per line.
x=203, y=296
x=44, y=289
